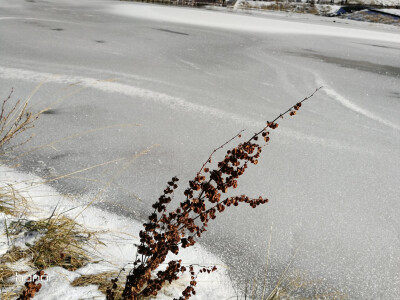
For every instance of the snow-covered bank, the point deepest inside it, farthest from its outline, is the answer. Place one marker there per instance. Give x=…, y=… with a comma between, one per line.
x=252, y=4
x=118, y=234
x=301, y=7
x=333, y=191
x=261, y=24
x=392, y=11
x=376, y=2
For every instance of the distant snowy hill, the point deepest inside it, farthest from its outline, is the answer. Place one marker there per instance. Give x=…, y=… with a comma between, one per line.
x=382, y=2
x=376, y=2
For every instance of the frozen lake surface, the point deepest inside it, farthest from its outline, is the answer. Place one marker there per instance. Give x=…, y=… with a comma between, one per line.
x=193, y=78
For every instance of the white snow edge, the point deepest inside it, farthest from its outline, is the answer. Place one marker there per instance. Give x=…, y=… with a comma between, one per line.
x=237, y=22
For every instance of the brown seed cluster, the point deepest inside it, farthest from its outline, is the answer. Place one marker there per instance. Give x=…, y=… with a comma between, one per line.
x=167, y=231
x=296, y=107
x=32, y=287
x=190, y=289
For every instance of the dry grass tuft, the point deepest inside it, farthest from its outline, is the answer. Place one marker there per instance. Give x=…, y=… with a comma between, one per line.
x=377, y=18
x=294, y=286
x=10, y=294
x=102, y=280
x=312, y=10
x=5, y=274
x=8, y=289
x=60, y=243
x=300, y=286
x=285, y=6
x=11, y=202
x=13, y=255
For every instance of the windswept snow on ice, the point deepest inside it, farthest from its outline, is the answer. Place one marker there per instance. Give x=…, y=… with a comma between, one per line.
x=354, y=107
x=245, y=23
x=167, y=100
x=118, y=234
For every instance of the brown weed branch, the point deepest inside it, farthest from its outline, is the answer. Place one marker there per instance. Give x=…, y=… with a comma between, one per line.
x=166, y=232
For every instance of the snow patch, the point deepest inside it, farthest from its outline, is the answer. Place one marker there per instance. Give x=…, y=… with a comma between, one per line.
x=227, y=21
x=392, y=11
x=58, y=287
x=119, y=234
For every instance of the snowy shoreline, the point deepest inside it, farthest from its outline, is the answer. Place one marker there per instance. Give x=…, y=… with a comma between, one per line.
x=119, y=234
x=257, y=23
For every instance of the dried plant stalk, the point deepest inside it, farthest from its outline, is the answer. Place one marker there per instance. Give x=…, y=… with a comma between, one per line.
x=15, y=120
x=166, y=232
